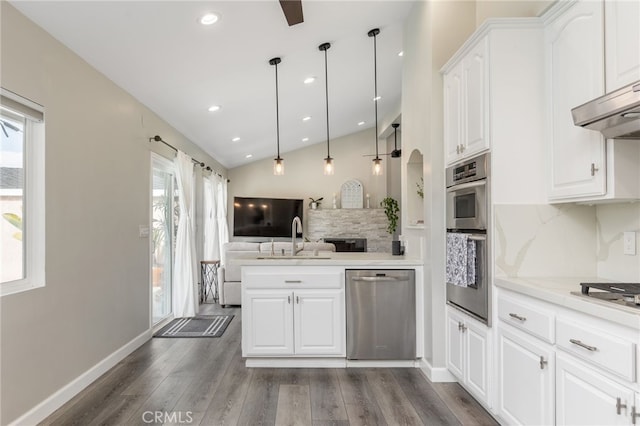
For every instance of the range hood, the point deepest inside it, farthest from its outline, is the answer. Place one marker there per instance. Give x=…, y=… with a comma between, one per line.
x=616, y=115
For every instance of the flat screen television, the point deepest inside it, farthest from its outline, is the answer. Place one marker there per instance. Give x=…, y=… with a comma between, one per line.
x=264, y=217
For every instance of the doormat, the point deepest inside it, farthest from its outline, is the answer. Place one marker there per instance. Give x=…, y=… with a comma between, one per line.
x=200, y=326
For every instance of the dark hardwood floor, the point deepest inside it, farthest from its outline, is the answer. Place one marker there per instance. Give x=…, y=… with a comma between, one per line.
x=204, y=382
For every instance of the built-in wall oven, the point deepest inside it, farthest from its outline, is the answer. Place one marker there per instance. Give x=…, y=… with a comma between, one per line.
x=467, y=211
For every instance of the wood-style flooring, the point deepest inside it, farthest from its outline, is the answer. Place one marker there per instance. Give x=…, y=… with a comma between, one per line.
x=204, y=382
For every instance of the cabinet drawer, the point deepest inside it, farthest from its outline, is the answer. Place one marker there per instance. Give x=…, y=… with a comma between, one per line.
x=306, y=277
x=533, y=319
x=612, y=353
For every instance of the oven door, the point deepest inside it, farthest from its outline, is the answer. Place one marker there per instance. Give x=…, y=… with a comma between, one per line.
x=467, y=206
x=474, y=299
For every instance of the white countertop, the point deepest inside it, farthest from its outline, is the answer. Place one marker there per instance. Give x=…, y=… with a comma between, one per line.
x=336, y=259
x=558, y=291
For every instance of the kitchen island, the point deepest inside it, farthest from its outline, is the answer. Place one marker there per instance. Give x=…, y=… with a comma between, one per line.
x=294, y=310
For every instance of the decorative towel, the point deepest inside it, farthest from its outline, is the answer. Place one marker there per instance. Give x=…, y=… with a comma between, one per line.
x=461, y=260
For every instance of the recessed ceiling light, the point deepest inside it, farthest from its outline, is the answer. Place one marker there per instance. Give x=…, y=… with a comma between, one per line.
x=214, y=108
x=307, y=118
x=309, y=80
x=209, y=18
x=377, y=98
x=305, y=139
x=236, y=139
x=400, y=53
x=248, y=156
x=360, y=123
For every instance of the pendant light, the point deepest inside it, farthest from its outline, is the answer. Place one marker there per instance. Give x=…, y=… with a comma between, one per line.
x=377, y=162
x=278, y=163
x=328, y=162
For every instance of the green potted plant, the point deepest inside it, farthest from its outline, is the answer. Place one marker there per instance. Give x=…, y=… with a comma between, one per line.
x=314, y=204
x=391, y=210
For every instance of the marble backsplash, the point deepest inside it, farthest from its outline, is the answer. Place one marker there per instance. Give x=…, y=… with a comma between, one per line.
x=545, y=240
x=565, y=240
x=611, y=221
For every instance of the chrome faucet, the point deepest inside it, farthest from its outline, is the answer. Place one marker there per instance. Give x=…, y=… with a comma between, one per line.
x=296, y=226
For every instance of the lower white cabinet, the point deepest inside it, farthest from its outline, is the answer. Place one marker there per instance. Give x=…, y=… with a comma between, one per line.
x=293, y=322
x=525, y=378
x=586, y=397
x=468, y=353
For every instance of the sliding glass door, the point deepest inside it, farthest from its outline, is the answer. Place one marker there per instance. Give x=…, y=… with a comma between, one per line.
x=164, y=220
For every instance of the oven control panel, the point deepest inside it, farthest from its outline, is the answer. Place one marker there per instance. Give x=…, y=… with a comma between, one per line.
x=471, y=170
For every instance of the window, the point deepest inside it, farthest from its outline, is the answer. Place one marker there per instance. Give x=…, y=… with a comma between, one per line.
x=21, y=194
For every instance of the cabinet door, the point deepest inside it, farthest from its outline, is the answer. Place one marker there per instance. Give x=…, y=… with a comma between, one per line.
x=319, y=322
x=525, y=379
x=476, y=365
x=267, y=322
x=475, y=100
x=586, y=397
x=622, y=41
x=574, y=45
x=453, y=113
x=455, y=345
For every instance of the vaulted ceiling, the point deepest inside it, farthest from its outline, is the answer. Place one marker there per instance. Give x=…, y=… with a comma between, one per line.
x=160, y=53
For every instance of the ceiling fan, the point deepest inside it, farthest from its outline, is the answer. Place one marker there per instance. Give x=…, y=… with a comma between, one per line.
x=292, y=10
x=395, y=153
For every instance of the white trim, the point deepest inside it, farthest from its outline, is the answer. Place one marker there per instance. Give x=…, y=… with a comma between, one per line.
x=67, y=392
x=353, y=363
x=34, y=235
x=436, y=375
x=296, y=362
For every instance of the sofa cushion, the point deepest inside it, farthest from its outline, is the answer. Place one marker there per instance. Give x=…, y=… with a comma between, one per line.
x=234, y=251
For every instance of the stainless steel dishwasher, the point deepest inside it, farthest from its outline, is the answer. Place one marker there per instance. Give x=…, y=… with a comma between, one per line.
x=381, y=314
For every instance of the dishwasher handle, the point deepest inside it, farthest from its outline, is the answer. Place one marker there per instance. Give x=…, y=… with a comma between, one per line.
x=379, y=278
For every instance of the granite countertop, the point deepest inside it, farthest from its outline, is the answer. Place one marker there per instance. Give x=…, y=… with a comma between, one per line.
x=559, y=291
x=335, y=259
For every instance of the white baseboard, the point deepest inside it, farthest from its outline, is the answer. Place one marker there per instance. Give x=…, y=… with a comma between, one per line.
x=441, y=374
x=381, y=364
x=64, y=394
x=296, y=362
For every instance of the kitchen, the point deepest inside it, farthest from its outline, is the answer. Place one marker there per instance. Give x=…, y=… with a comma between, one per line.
x=526, y=228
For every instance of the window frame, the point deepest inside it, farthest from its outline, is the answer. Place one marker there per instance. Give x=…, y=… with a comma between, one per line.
x=33, y=198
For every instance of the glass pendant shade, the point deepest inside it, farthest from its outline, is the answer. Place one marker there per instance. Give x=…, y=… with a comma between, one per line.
x=278, y=166
x=328, y=166
x=377, y=167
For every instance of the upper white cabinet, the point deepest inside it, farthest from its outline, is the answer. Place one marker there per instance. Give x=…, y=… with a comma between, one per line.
x=574, y=45
x=494, y=99
x=466, y=129
x=579, y=37
x=622, y=43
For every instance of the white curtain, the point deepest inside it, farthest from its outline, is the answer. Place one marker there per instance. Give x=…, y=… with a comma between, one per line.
x=184, y=272
x=211, y=250
x=221, y=211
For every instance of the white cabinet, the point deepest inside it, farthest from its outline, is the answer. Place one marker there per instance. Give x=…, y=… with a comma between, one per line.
x=622, y=43
x=293, y=311
x=466, y=121
x=586, y=397
x=468, y=353
x=525, y=378
x=574, y=43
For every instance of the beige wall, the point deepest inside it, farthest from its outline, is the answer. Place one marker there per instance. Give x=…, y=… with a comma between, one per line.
x=304, y=176
x=96, y=297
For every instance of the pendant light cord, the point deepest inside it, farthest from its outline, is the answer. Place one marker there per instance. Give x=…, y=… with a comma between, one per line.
x=375, y=85
x=277, y=115
x=326, y=92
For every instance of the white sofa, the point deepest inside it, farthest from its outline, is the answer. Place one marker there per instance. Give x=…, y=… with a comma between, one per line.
x=229, y=274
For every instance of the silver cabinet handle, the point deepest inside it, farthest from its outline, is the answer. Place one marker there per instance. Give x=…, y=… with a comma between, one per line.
x=583, y=345
x=457, y=149
x=619, y=406
x=518, y=317
x=289, y=299
x=461, y=327
x=292, y=281
x=634, y=414
x=594, y=169
x=298, y=300
x=542, y=362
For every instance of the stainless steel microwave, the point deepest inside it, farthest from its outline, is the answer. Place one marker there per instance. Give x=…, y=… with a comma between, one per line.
x=467, y=198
